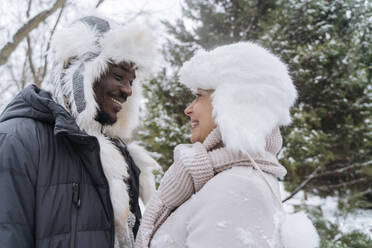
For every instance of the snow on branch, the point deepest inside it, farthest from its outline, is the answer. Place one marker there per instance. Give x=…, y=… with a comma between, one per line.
x=24, y=31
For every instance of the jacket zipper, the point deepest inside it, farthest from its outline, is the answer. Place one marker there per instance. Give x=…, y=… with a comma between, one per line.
x=74, y=214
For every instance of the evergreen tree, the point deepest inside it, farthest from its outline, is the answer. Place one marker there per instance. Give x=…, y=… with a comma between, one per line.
x=328, y=46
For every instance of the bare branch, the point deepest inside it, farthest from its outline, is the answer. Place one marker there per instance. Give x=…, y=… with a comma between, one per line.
x=247, y=30
x=303, y=184
x=48, y=45
x=23, y=78
x=22, y=33
x=30, y=62
x=28, y=8
x=11, y=72
x=99, y=3
x=339, y=171
x=341, y=185
x=16, y=82
x=29, y=53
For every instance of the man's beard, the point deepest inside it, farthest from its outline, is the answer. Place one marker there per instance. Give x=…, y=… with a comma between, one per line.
x=103, y=118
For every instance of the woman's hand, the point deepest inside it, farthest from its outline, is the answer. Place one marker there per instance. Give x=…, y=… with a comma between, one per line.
x=191, y=169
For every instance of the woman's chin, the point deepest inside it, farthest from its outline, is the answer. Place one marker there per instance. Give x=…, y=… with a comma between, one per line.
x=197, y=139
x=194, y=138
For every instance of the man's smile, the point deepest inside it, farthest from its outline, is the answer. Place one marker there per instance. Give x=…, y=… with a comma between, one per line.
x=115, y=101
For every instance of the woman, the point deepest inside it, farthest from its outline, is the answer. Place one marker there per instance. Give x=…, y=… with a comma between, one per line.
x=222, y=190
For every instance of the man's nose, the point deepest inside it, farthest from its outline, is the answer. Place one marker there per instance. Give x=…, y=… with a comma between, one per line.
x=127, y=90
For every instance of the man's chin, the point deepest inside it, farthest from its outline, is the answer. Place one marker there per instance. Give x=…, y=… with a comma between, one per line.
x=105, y=119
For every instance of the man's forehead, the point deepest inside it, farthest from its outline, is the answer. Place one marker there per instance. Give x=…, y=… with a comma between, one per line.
x=123, y=68
x=126, y=66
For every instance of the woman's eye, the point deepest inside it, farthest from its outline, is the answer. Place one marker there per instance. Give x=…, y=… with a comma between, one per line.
x=197, y=95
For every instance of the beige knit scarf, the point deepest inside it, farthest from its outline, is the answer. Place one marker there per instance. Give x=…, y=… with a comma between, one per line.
x=194, y=165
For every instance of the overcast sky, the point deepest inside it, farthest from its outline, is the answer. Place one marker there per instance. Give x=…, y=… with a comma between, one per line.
x=13, y=12
x=159, y=9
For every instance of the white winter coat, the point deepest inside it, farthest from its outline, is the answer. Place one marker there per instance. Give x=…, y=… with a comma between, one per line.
x=235, y=209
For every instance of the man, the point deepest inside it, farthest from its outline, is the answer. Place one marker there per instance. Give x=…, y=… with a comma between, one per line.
x=67, y=179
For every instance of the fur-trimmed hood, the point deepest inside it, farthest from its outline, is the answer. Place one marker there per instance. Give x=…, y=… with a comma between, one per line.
x=253, y=92
x=81, y=54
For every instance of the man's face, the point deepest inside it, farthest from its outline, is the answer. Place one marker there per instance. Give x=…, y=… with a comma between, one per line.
x=112, y=89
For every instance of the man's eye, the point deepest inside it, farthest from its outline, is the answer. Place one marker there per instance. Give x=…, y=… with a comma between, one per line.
x=118, y=77
x=197, y=95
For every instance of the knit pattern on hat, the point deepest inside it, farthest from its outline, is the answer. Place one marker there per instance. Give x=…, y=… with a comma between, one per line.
x=194, y=165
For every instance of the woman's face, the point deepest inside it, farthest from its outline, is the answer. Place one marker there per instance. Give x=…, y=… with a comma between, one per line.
x=200, y=113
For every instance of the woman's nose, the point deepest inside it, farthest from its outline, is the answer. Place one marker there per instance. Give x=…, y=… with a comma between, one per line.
x=188, y=109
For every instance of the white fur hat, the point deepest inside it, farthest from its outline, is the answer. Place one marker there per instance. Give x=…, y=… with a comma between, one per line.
x=253, y=92
x=82, y=52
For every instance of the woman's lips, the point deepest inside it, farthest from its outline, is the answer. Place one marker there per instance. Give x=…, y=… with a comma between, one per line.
x=194, y=124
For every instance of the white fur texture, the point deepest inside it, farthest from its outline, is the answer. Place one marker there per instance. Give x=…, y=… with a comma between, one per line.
x=115, y=169
x=134, y=42
x=253, y=92
x=297, y=230
x=75, y=46
x=147, y=165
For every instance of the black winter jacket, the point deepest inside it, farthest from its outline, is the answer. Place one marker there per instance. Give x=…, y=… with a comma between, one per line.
x=53, y=192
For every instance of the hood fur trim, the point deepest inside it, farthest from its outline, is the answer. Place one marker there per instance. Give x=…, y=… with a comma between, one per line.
x=147, y=165
x=87, y=49
x=116, y=171
x=253, y=92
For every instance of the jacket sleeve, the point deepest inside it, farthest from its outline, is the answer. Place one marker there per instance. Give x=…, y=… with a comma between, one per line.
x=17, y=194
x=235, y=210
